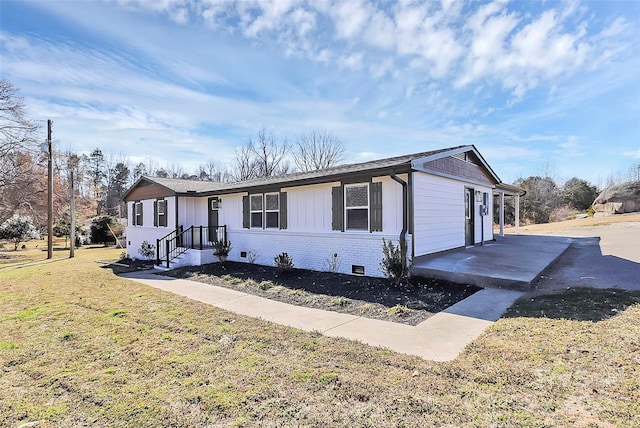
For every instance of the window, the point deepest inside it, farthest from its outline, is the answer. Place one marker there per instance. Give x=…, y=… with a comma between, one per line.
x=137, y=213
x=256, y=211
x=272, y=210
x=160, y=213
x=356, y=204
x=265, y=211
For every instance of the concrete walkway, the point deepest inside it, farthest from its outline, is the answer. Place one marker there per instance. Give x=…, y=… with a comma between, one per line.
x=439, y=338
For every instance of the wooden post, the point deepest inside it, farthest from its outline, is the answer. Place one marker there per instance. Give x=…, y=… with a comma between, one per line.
x=72, y=203
x=50, y=194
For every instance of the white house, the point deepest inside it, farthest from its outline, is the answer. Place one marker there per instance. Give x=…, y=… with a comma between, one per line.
x=437, y=200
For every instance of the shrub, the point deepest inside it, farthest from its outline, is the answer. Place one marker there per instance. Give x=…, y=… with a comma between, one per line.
x=252, y=256
x=332, y=263
x=100, y=233
x=265, y=285
x=398, y=310
x=62, y=229
x=283, y=262
x=340, y=301
x=18, y=229
x=147, y=250
x=221, y=250
x=394, y=262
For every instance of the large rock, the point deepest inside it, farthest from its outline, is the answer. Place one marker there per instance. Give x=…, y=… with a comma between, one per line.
x=620, y=199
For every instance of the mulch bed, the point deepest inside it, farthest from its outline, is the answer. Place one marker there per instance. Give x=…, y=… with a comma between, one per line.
x=358, y=295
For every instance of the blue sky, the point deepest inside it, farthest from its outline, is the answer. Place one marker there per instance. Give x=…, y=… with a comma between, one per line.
x=537, y=86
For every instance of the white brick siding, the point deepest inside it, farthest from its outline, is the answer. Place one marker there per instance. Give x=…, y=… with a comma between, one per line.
x=309, y=250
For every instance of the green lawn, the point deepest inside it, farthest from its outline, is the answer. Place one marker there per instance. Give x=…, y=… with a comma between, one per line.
x=80, y=346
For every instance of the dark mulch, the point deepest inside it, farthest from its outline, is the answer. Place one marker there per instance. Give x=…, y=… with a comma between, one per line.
x=358, y=295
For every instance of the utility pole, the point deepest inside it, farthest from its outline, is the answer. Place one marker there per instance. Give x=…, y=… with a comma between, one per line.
x=72, y=203
x=50, y=194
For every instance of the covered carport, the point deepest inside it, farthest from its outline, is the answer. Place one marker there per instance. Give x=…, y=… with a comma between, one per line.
x=503, y=190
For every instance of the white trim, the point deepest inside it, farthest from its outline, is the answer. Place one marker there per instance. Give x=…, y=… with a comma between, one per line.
x=357, y=207
x=266, y=211
x=260, y=197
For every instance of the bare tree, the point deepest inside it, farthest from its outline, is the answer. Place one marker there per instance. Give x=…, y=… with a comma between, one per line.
x=21, y=183
x=244, y=167
x=17, y=132
x=210, y=171
x=139, y=170
x=174, y=170
x=269, y=155
x=263, y=157
x=317, y=150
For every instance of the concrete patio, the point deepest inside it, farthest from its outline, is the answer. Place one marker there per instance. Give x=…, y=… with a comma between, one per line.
x=512, y=262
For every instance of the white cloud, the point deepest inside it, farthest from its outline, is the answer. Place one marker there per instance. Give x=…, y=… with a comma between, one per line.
x=633, y=154
x=352, y=62
x=570, y=147
x=205, y=73
x=382, y=69
x=349, y=18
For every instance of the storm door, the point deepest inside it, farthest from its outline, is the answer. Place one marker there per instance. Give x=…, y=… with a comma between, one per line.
x=468, y=217
x=214, y=205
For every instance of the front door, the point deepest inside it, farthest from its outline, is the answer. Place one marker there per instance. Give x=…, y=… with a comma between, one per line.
x=214, y=204
x=468, y=218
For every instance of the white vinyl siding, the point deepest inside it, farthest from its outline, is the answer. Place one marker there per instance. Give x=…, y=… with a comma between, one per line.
x=438, y=213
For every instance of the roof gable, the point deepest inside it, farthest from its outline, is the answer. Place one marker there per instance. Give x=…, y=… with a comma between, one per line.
x=462, y=162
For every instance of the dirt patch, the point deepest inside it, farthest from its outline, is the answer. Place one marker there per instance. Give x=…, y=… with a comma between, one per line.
x=575, y=224
x=356, y=295
x=121, y=266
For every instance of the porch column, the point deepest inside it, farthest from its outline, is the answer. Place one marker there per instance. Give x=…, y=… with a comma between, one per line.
x=517, y=213
x=502, y=214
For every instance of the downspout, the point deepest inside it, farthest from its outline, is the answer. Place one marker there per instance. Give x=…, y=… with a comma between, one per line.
x=405, y=199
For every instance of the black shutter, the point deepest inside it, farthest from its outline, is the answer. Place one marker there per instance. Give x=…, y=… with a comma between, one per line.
x=133, y=214
x=155, y=213
x=141, y=216
x=162, y=221
x=337, y=208
x=283, y=210
x=375, y=207
x=245, y=212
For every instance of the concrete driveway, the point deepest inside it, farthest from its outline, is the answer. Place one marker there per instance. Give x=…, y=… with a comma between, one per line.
x=600, y=257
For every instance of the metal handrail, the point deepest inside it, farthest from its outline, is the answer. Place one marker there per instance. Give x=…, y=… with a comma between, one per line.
x=179, y=241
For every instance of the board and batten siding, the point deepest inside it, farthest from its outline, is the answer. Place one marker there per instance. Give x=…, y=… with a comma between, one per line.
x=438, y=213
x=309, y=207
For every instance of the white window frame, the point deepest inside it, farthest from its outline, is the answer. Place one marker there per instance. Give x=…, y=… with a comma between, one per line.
x=163, y=212
x=346, y=209
x=266, y=211
x=252, y=211
x=138, y=220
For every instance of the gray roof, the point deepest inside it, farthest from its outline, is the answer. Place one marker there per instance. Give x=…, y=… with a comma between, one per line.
x=398, y=164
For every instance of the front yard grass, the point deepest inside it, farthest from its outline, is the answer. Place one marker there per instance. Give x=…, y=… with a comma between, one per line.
x=80, y=346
